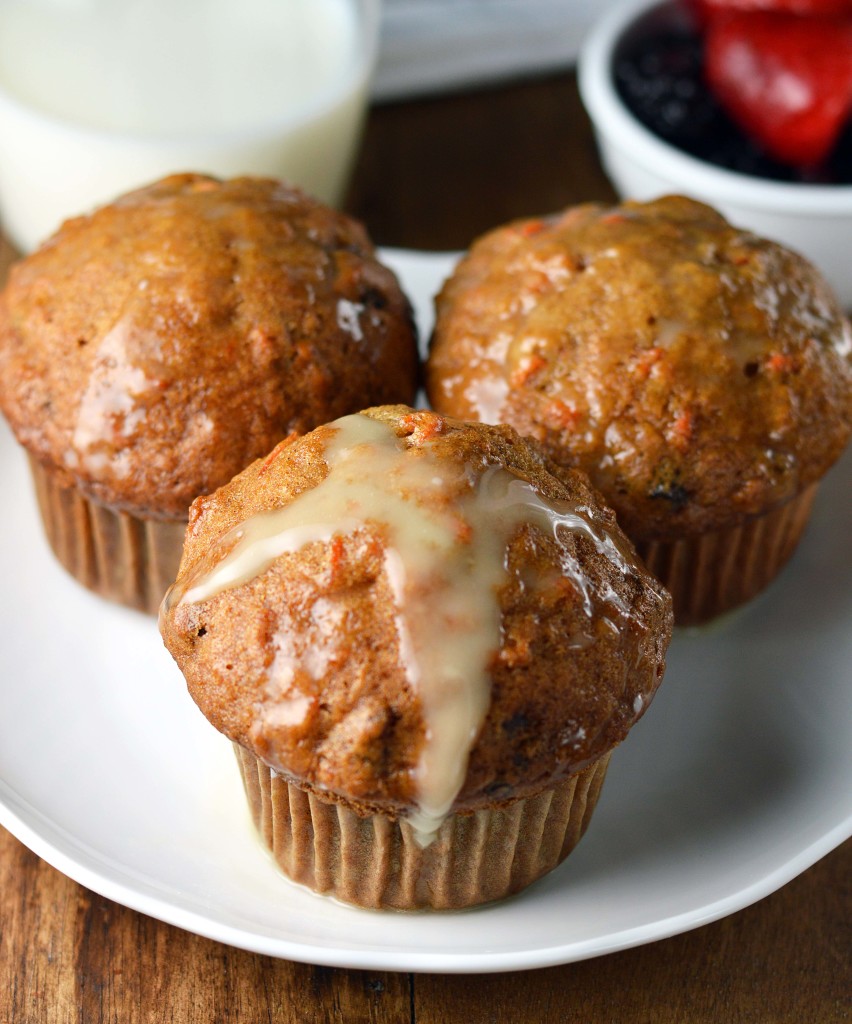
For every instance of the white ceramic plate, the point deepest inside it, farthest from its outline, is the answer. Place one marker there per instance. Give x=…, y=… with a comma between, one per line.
x=736, y=781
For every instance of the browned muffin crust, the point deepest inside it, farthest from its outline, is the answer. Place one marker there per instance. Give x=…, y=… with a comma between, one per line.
x=696, y=372
x=565, y=685
x=150, y=351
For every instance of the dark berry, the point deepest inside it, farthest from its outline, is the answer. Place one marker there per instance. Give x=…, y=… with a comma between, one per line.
x=661, y=81
x=840, y=161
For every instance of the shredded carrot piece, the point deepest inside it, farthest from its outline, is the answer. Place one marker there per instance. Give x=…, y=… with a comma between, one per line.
x=560, y=414
x=683, y=425
x=613, y=218
x=528, y=368
x=780, y=363
x=335, y=555
x=276, y=451
x=646, y=361
x=531, y=227
x=422, y=425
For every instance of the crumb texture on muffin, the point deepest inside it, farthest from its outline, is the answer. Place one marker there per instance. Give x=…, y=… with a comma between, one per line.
x=696, y=372
x=151, y=350
x=415, y=615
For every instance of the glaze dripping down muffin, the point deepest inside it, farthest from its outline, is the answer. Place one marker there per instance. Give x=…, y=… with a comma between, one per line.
x=699, y=374
x=420, y=629
x=151, y=350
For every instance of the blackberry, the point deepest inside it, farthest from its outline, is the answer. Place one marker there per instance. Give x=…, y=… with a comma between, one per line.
x=726, y=145
x=840, y=161
x=661, y=81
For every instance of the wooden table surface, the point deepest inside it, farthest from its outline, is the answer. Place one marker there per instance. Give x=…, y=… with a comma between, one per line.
x=432, y=174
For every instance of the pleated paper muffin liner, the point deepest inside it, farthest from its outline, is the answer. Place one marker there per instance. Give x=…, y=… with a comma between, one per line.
x=120, y=556
x=713, y=573
x=376, y=861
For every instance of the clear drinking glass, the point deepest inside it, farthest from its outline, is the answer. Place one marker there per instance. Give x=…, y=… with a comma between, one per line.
x=100, y=96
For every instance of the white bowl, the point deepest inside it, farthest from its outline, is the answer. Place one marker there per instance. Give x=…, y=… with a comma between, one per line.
x=55, y=166
x=815, y=220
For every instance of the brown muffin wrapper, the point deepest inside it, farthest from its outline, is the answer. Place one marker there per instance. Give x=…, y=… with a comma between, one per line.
x=376, y=862
x=714, y=573
x=120, y=556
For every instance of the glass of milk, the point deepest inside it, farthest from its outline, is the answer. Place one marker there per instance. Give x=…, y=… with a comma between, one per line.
x=101, y=96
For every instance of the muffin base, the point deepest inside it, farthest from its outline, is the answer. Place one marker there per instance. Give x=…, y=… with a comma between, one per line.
x=120, y=556
x=713, y=573
x=376, y=862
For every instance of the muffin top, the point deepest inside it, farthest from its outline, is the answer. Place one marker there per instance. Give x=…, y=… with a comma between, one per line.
x=696, y=372
x=151, y=350
x=415, y=615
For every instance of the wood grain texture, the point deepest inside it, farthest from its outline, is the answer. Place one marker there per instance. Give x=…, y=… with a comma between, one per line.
x=69, y=956
x=784, y=960
x=433, y=174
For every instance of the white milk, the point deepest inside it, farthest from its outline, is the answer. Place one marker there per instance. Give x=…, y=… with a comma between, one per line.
x=99, y=96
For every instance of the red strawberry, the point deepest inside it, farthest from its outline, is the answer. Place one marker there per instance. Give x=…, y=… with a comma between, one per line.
x=812, y=8
x=787, y=81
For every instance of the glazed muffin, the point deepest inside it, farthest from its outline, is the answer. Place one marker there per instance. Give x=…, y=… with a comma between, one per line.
x=424, y=641
x=699, y=374
x=151, y=350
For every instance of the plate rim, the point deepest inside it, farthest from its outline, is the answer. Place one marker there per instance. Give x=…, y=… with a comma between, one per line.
x=449, y=963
